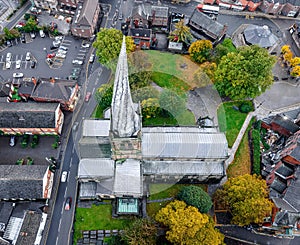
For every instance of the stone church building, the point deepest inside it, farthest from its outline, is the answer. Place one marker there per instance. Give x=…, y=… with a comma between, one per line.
x=119, y=157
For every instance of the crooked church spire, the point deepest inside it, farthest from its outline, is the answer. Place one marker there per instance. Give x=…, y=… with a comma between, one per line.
x=125, y=122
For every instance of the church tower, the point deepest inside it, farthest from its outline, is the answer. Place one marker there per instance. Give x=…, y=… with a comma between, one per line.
x=125, y=131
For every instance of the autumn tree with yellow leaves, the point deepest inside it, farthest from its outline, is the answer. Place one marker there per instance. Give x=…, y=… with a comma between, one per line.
x=246, y=197
x=187, y=226
x=200, y=50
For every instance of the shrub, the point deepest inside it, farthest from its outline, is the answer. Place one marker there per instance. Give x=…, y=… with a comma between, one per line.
x=256, y=151
x=246, y=107
x=197, y=197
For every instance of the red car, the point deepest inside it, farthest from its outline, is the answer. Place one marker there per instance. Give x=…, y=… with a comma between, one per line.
x=88, y=96
x=50, y=56
x=68, y=203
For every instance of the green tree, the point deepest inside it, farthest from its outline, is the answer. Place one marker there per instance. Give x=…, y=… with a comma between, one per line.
x=195, y=196
x=200, y=50
x=168, y=99
x=223, y=49
x=246, y=196
x=182, y=33
x=104, y=95
x=108, y=45
x=144, y=93
x=150, y=107
x=141, y=231
x=7, y=33
x=245, y=74
x=186, y=225
x=31, y=25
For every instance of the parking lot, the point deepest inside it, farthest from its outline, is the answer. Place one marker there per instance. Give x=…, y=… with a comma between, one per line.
x=60, y=66
x=10, y=154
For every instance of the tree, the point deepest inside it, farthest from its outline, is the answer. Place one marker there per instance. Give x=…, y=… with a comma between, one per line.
x=108, y=45
x=246, y=196
x=295, y=71
x=168, y=99
x=295, y=61
x=223, y=49
x=141, y=231
x=104, y=95
x=150, y=108
x=186, y=225
x=285, y=49
x=182, y=33
x=245, y=74
x=195, y=196
x=200, y=50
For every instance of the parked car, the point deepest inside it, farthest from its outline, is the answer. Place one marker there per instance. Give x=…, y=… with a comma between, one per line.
x=68, y=203
x=75, y=126
x=8, y=43
x=42, y=34
x=56, y=43
x=8, y=64
x=32, y=35
x=60, y=55
x=78, y=62
x=23, y=39
x=92, y=58
x=50, y=56
x=18, y=64
x=12, y=141
x=85, y=45
x=18, y=75
x=32, y=64
x=27, y=56
x=87, y=96
x=64, y=176
x=62, y=51
x=63, y=48
x=8, y=56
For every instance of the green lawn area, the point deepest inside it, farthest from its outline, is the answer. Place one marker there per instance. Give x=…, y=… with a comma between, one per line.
x=161, y=191
x=242, y=162
x=230, y=120
x=97, y=218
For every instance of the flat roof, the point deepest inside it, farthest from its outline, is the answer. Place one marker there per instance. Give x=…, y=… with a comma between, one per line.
x=95, y=127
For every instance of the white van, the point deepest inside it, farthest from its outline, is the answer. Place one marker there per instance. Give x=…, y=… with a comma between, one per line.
x=42, y=34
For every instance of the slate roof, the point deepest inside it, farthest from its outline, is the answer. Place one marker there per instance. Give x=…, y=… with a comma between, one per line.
x=160, y=11
x=30, y=226
x=25, y=181
x=208, y=26
x=87, y=12
x=94, y=147
x=183, y=142
x=174, y=168
x=26, y=88
x=4, y=89
x=285, y=171
x=292, y=194
x=27, y=115
x=278, y=185
x=260, y=35
x=142, y=10
x=140, y=32
x=58, y=90
x=93, y=128
x=128, y=178
x=286, y=124
x=286, y=218
x=282, y=204
x=296, y=152
x=90, y=168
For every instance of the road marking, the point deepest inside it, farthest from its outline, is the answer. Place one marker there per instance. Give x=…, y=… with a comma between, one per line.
x=56, y=240
x=65, y=195
x=59, y=225
x=93, y=90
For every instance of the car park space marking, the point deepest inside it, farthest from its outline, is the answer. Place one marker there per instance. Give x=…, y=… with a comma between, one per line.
x=59, y=225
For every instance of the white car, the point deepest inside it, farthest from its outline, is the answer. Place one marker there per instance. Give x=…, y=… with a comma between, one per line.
x=8, y=56
x=32, y=35
x=62, y=51
x=60, y=55
x=8, y=64
x=42, y=34
x=18, y=64
x=12, y=141
x=64, y=176
x=27, y=56
x=92, y=58
x=85, y=45
x=18, y=75
x=78, y=62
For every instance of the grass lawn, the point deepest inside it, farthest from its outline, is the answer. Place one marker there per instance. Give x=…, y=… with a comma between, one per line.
x=230, y=120
x=160, y=191
x=97, y=218
x=242, y=161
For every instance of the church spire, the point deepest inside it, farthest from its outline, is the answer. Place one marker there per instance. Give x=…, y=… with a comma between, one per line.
x=125, y=122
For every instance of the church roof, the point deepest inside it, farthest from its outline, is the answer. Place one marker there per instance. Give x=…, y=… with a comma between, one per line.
x=125, y=120
x=93, y=128
x=95, y=168
x=180, y=142
x=128, y=180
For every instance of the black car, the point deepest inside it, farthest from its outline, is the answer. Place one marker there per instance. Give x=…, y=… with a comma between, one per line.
x=32, y=64
x=23, y=40
x=53, y=47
